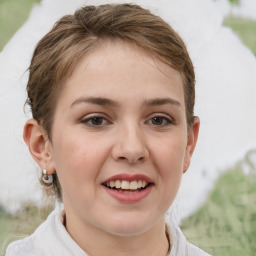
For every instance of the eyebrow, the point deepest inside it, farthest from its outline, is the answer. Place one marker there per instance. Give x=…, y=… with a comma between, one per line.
x=162, y=101
x=108, y=102
x=95, y=100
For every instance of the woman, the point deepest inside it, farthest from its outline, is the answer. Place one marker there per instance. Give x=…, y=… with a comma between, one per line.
x=111, y=90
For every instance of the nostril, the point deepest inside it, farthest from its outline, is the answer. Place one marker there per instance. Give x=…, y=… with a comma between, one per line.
x=135, y=160
x=131, y=160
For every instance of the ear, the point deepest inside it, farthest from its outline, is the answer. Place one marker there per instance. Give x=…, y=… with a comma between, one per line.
x=191, y=143
x=39, y=145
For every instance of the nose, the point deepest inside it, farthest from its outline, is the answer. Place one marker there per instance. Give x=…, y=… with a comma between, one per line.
x=130, y=145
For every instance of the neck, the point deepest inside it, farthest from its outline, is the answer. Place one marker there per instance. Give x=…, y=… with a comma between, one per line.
x=96, y=242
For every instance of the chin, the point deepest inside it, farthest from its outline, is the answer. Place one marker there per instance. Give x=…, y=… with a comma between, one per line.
x=126, y=226
x=127, y=230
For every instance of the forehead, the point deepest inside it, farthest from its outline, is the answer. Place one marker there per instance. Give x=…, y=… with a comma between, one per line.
x=120, y=66
x=110, y=52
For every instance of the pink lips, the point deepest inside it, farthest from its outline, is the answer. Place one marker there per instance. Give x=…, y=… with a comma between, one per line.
x=133, y=197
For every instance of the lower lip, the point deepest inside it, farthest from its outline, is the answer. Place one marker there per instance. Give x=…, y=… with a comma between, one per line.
x=133, y=197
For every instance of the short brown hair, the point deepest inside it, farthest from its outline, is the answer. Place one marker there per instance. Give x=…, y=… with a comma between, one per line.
x=74, y=36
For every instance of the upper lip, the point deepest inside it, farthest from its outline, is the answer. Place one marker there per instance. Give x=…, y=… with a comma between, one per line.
x=129, y=177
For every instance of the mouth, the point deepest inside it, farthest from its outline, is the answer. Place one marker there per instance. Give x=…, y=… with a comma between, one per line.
x=125, y=186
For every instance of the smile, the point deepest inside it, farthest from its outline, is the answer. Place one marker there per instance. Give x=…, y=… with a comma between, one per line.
x=126, y=186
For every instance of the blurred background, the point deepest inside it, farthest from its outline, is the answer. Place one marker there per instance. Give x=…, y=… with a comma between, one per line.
x=216, y=206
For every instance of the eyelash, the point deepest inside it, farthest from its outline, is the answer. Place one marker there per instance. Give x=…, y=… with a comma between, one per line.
x=89, y=119
x=167, y=121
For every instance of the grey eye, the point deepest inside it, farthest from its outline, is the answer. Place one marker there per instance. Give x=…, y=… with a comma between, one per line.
x=160, y=121
x=94, y=121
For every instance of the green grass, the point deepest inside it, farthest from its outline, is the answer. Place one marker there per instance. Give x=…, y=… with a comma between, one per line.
x=246, y=30
x=13, y=13
x=226, y=224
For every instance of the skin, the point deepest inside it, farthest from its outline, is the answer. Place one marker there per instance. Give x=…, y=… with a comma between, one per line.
x=133, y=134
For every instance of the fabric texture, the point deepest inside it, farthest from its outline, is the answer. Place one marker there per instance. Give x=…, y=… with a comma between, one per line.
x=52, y=239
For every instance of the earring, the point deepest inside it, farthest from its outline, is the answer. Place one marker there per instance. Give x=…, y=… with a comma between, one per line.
x=47, y=178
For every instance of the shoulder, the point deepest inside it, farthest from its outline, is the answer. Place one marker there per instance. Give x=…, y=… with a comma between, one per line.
x=50, y=238
x=195, y=251
x=28, y=246
x=33, y=244
x=21, y=247
x=180, y=245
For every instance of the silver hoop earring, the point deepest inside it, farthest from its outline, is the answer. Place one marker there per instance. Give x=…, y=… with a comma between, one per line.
x=48, y=179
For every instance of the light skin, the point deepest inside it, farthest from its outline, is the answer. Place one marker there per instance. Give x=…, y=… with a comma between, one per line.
x=121, y=112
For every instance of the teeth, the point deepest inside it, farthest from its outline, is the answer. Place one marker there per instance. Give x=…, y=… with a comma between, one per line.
x=126, y=185
x=118, y=184
x=133, y=185
x=112, y=184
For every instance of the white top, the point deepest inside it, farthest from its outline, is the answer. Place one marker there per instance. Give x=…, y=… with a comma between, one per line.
x=52, y=239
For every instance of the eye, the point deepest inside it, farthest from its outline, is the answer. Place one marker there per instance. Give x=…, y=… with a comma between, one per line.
x=160, y=121
x=95, y=121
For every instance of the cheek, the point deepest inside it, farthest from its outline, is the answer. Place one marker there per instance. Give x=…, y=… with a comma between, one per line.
x=169, y=155
x=169, y=159
x=78, y=159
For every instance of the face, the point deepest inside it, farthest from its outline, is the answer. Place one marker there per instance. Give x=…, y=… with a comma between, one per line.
x=119, y=140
